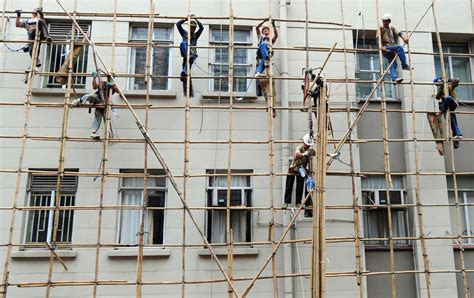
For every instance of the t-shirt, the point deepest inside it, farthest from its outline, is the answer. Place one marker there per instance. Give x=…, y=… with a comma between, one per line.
x=302, y=161
x=389, y=36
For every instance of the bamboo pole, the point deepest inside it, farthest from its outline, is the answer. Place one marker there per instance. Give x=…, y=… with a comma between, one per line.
x=26, y=113
x=418, y=199
x=62, y=158
x=160, y=159
x=357, y=228
x=453, y=163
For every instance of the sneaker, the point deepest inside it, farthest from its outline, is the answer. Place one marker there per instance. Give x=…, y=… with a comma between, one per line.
x=38, y=62
x=259, y=75
x=457, y=137
x=94, y=135
x=398, y=80
x=76, y=102
x=298, y=205
x=285, y=206
x=407, y=67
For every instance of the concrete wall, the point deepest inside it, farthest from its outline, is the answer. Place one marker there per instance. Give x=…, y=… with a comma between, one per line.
x=211, y=124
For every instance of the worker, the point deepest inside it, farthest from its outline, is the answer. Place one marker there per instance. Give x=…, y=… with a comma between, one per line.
x=99, y=96
x=449, y=102
x=263, y=51
x=298, y=170
x=36, y=21
x=391, y=47
x=183, y=47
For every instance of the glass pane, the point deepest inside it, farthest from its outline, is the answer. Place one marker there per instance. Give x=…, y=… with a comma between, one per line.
x=130, y=218
x=220, y=84
x=139, y=56
x=241, y=36
x=240, y=56
x=461, y=70
x=219, y=35
x=37, y=230
x=162, y=33
x=160, y=68
x=221, y=56
x=140, y=33
x=364, y=89
x=240, y=84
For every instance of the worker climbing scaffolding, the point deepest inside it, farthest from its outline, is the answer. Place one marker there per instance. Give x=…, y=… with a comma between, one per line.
x=264, y=54
x=183, y=48
x=36, y=21
x=99, y=97
x=389, y=36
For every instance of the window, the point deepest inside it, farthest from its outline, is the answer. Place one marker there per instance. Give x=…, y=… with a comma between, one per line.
x=240, y=195
x=456, y=67
x=160, y=58
x=131, y=194
x=42, y=193
x=376, y=215
x=466, y=207
x=368, y=69
x=219, y=65
x=56, y=54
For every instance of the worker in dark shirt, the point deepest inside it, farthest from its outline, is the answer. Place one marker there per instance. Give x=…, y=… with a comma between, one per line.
x=449, y=102
x=183, y=47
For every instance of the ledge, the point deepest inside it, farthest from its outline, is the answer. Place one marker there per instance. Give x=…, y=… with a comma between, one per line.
x=238, y=251
x=213, y=97
x=54, y=91
x=161, y=94
x=133, y=253
x=35, y=253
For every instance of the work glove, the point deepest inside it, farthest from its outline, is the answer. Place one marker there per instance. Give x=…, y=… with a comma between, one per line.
x=273, y=23
x=265, y=20
x=18, y=12
x=94, y=74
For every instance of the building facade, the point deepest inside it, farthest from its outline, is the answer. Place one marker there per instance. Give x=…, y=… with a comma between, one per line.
x=370, y=252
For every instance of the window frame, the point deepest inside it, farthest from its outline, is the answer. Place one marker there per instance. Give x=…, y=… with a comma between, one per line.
x=48, y=50
x=66, y=191
x=447, y=47
x=381, y=211
x=467, y=225
x=371, y=44
x=121, y=189
x=132, y=58
x=212, y=56
x=246, y=192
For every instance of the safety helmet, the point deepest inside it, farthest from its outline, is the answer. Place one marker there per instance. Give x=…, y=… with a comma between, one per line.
x=438, y=80
x=308, y=140
x=387, y=17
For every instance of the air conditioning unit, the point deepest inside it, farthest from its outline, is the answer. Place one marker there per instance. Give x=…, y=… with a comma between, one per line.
x=219, y=197
x=379, y=197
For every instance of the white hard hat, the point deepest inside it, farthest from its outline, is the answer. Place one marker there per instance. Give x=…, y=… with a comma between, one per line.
x=386, y=17
x=308, y=140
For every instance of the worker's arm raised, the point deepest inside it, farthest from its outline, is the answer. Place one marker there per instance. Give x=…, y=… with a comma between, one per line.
x=201, y=28
x=275, y=32
x=257, y=29
x=18, y=22
x=181, y=30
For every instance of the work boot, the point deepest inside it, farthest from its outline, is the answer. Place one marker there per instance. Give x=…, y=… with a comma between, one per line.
x=407, y=67
x=94, y=135
x=38, y=62
x=285, y=206
x=76, y=102
x=398, y=80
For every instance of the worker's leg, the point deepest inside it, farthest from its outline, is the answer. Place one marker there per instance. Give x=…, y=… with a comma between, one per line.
x=290, y=180
x=299, y=189
x=454, y=125
x=393, y=69
x=99, y=113
x=264, y=50
x=401, y=54
x=260, y=66
x=450, y=103
x=183, y=49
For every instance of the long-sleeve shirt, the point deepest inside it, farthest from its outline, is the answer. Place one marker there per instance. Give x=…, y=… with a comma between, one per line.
x=301, y=161
x=194, y=36
x=451, y=89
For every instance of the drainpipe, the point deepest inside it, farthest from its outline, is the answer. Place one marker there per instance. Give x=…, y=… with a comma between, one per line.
x=285, y=148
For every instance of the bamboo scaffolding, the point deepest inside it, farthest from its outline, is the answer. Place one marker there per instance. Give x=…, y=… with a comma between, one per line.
x=26, y=114
x=318, y=242
x=418, y=199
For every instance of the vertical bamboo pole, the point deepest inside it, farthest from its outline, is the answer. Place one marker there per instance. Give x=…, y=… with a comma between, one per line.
x=229, y=234
x=419, y=208
x=104, y=164
x=271, y=152
x=186, y=150
x=144, y=202
x=62, y=157
x=387, y=171
x=453, y=163
x=355, y=201
x=2, y=24
x=26, y=114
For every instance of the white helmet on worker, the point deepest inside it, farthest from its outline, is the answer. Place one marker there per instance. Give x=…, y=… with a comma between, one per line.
x=387, y=17
x=308, y=140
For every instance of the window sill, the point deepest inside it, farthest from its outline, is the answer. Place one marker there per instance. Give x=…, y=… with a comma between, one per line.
x=213, y=97
x=237, y=251
x=133, y=253
x=154, y=94
x=383, y=247
x=389, y=100
x=464, y=247
x=42, y=253
x=55, y=92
